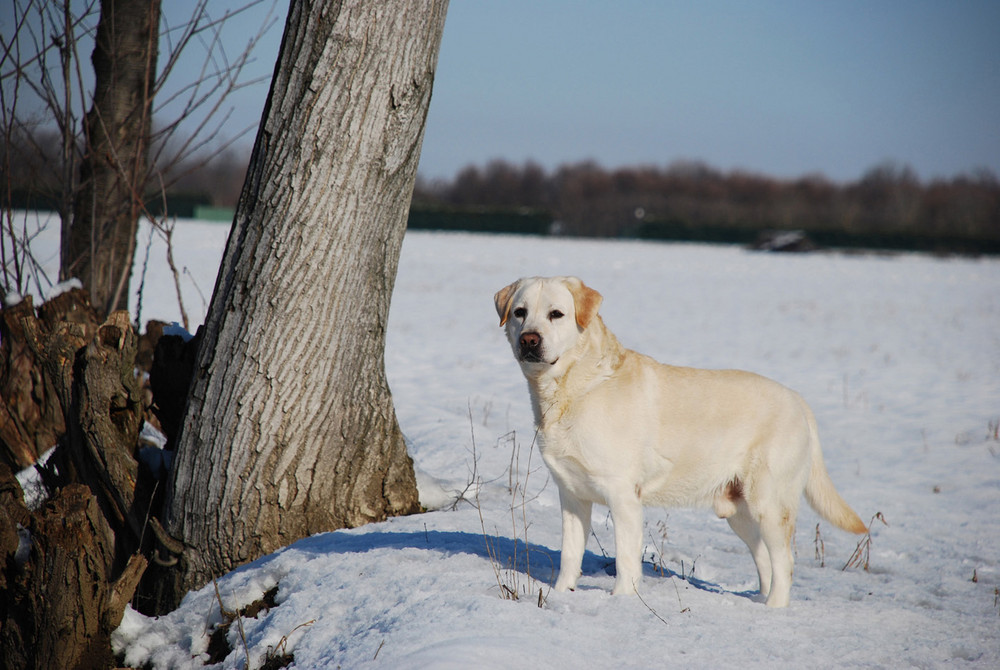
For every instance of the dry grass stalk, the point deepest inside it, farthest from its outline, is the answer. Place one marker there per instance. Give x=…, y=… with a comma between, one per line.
x=510, y=581
x=820, y=548
x=862, y=553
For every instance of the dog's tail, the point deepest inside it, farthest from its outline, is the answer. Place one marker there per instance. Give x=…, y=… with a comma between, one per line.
x=822, y=495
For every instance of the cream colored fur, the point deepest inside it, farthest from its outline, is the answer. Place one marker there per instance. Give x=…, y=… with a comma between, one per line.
x=620, y=429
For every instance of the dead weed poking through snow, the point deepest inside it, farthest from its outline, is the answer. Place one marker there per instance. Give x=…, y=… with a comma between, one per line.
x=513, y=582
x=862, y=553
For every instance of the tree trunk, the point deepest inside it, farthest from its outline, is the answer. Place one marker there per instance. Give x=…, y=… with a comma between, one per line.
x=99, y=245
x=290, y=428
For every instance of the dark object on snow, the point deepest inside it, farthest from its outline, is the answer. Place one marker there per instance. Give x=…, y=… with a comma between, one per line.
x=783, y=240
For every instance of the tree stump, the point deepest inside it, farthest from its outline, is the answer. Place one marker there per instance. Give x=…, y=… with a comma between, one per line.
x=68, y=570
x=60, y=606
x=31, y=414
x=31, y=419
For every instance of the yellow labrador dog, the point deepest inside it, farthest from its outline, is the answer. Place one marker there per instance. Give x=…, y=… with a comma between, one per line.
x=619, y=429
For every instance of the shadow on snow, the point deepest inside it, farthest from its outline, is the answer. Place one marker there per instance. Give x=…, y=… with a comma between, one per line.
x=508, y=553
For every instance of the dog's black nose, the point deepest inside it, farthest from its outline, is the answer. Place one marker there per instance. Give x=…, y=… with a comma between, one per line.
x=530, y=341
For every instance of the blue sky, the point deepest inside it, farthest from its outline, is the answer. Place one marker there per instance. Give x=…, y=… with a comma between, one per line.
x=780, y=88
x=783, y=88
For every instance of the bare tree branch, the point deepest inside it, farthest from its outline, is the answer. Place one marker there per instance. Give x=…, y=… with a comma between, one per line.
x=210, y=87
x=47, y=85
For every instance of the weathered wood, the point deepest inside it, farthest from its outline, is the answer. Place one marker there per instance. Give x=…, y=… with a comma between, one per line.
x=110, y=411
x=61, y=606
x=94, y=380
x=31, y=418
x=72, y=306
x=60, y=602
x=14, y=520
x=28, y=414
x=14, y=515
x=290, y=428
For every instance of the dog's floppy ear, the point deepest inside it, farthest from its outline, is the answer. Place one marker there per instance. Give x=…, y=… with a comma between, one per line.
x=586, y=301
x=503, y=299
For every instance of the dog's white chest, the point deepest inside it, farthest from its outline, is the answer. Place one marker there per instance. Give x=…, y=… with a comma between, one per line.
x=574, y=464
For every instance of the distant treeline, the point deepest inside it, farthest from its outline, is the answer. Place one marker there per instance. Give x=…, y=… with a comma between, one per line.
x=888, y=207
x=31, y=176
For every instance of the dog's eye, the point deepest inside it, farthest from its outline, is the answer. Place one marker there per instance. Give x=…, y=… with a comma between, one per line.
x=520, y=313
x=555, y=314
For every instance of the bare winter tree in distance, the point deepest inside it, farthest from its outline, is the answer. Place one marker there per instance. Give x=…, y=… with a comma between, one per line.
x=110, y=158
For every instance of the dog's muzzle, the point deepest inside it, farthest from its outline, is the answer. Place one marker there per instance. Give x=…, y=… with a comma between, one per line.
x=530, y=348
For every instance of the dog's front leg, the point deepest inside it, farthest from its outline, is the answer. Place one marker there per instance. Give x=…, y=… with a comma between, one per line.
x=575, y=529
x=626, y=513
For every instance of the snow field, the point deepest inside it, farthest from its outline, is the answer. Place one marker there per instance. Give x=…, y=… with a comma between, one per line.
x=899, y=356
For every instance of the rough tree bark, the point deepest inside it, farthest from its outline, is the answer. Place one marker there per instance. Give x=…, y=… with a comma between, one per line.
x=290, y=427
x=99, y=245
x=62, y=598
x=63, y=592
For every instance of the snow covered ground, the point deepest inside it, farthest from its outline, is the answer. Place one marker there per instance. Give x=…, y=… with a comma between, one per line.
x=899, y=357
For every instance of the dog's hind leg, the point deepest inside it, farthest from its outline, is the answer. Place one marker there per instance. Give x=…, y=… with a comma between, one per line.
x=776, y=530
x=575, y=529
x=746, y=527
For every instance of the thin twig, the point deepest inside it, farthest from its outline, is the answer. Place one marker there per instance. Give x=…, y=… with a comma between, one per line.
x=862, y=553
x=639, y=596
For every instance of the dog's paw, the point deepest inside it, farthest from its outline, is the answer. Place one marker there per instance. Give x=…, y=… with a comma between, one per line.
x=624, y=588
x=564, y=585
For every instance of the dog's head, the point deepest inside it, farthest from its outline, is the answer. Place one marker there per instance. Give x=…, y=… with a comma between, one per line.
x=544, y=317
